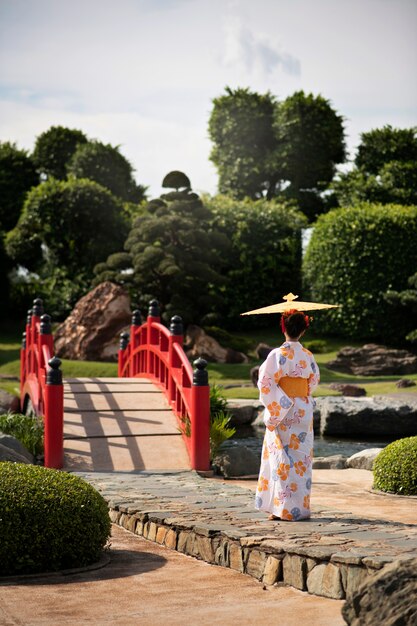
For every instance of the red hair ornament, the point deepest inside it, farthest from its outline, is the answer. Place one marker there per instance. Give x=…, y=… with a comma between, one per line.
x=288, y=314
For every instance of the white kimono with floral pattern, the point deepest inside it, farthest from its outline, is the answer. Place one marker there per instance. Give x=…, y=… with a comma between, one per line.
x=284, y=483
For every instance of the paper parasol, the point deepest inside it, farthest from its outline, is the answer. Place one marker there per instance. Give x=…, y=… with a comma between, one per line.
x=289, y=304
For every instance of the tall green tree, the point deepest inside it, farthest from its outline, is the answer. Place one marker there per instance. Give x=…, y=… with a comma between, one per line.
x=54, y=149
x=385, y=169
x=17, y=176
x=105, y=165
x=240, y=127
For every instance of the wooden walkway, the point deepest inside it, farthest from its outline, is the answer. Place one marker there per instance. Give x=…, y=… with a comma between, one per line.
x=119, y=424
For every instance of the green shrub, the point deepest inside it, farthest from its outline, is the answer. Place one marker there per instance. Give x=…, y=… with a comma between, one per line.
x=354, y=257
x=395, y=467
x=219, y=420
x=319, y=346
x=27, y=429
x=49, y=520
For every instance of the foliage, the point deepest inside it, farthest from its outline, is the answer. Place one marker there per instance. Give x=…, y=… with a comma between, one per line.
x=408, y=300
x=105, y=165
x=220, y=431
x=176, y=180
x=219, y=420
x=28, y=430
x=240, y=128
x=385, y=169
x=310, y=143
x=176, y=258
x=67, y=224
x=50, y=520
x=395, y=467
x=283, y=149
x=54, y=149
x=319, y=346
x=17, y=176
x=356, y=255
x=264, y=256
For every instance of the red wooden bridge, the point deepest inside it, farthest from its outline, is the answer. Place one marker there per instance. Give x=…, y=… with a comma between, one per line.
x=154, y=415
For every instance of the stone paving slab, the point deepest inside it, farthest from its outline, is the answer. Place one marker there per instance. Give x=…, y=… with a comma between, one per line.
x=330, y=555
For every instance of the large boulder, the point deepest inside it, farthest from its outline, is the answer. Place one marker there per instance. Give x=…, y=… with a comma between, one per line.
x=378, y=416
x=8, y=402
x=374, y=360
x=234, y=459
x=15, y=447
x=8, y=454
x=91, y=332
x=198, y=344
x=243, y=411
x=364, y=459
x=388, y=597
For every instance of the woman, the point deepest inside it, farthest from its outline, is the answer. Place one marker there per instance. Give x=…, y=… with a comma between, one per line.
x=286, y=381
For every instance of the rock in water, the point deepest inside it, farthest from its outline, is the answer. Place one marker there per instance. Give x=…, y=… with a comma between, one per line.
x=374, y=360
x=389, y=597
x=234, y=459
x=91, y=332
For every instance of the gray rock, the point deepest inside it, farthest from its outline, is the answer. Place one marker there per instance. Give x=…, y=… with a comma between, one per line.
x=336, y=461
x=14, y=444
x=353, y=391
x=243, y=411
x=8, y=402
x=405, y=382
x=262, y=350
x=374, y=360
x=8, y=454
x=389, y=597
x=363, y=459
x=234, y=459
x=377, y=416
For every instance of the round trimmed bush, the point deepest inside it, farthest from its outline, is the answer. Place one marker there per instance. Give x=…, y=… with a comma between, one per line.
x=354, y=257
x=49, y=520
x=395, y=467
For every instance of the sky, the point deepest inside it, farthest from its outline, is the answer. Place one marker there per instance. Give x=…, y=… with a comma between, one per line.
x=142, y=74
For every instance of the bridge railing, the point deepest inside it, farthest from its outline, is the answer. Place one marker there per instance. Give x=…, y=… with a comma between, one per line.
x=41, y=388
x=152, y=351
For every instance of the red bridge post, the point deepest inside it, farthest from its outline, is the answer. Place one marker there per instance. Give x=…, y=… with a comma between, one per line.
x=176, y=330
x=54, y=412
x=200, y=417
x=154, y=316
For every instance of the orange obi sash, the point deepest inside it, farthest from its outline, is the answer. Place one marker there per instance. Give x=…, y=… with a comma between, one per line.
x=294, y=387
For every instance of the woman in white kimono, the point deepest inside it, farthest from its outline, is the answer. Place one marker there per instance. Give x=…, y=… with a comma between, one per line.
x=286, y=381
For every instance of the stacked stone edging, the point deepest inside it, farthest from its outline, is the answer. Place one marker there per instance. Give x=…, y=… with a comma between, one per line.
x=329, y=555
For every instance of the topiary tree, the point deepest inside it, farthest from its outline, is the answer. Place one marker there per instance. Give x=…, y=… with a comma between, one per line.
x=408, y=300
x=105, y=165
x=264, y=256
x=17, y=176
x=175, y=257
x=354, y=257
x=49, y=520
x=395, y=467
x=54, y=149
x=176, y=180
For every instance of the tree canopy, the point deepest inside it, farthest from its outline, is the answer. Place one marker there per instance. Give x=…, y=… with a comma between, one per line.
x=53, y=150
x=17, y=176
x=105, y=165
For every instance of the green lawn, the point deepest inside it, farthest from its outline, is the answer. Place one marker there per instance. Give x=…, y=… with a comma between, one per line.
x=220, y=374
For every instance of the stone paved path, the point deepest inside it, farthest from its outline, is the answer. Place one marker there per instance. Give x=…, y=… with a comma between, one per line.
x=330, y=554
x=118, y=424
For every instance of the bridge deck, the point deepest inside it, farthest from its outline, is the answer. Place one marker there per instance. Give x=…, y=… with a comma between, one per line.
x=119, y=424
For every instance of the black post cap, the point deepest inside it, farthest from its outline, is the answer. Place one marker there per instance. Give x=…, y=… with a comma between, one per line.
x=29, y=317
x=54, y=375
x=136, y=318
x=23, y=340
x=37, y=307
x=200, y=374
x=45, y=326
x=176, y=327
x=124, y=340
x=154, y=309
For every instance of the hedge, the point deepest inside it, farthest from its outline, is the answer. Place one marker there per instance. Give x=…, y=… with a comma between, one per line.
x=395, y=467
x=354, y=257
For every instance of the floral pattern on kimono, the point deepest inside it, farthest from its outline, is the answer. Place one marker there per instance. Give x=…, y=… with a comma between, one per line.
x=284, y=483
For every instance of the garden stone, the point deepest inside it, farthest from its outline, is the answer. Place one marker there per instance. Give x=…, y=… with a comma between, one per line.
x=198, y=344
x=405, y=382
x=336, y=461
x=325, y=580
x=14, y=444
x=374, y=360
x=8, y=402
x=243, y=411
x=92, y=330
x=363, y=459
x=262, y=350
x=348, y=389
x=234, y=459
x=8, y=454
x=377, y=416
x=254, y=375
x=388, y=597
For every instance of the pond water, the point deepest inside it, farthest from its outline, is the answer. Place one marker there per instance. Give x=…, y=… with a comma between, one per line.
x=323, y=446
